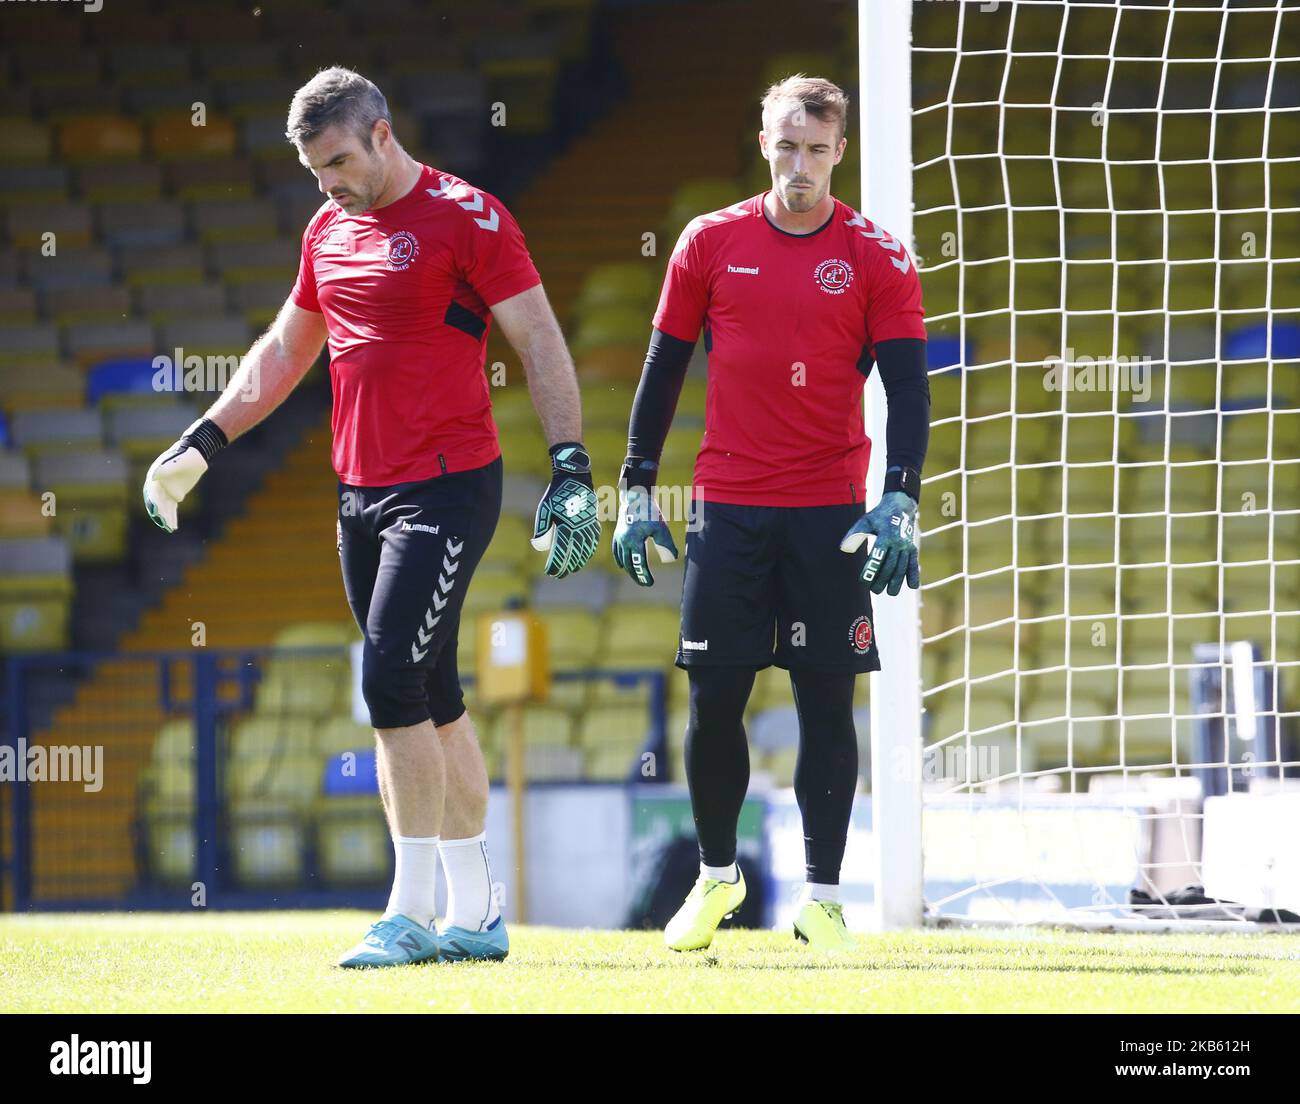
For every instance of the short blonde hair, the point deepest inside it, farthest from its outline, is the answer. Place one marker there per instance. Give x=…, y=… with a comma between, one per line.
x=822, y=99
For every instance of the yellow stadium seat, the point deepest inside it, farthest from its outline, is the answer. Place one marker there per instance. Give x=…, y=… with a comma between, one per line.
x=352, y=841
x=612, y=737
x=261, y=742
x=268, y=846
x=93, y=519
x=303, y=688
x=21, y=515
x=174, y=136
x=491, y=592
x=100, y=137
x=544, y=726
x=24, y=141
x=341, y=733
x=170, y=854
x=621, y=692
x=638, y=636
x=630, y=283
x=34, y=612
x=174, y=742
x=572, y=636
x=509, y=546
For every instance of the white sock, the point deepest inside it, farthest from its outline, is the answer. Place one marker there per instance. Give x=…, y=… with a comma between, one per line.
x=729, y=873
x=818, y=891
x=415, y=879
x=471, y=904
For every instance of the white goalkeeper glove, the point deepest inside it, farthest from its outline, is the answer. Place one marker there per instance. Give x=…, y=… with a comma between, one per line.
x=173, y=475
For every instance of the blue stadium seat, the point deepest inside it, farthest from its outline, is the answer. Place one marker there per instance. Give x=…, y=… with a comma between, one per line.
x=1251, y=342
x=130, y=376
x=359, y=777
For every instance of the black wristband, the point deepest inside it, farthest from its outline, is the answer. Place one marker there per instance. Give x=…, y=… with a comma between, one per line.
x=206, y=436
x=907, y=480
x=639, y=472
x=571, y=457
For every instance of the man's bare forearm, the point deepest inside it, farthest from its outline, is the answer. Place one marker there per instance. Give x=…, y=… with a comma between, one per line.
x=553, y=385
x=267, y=376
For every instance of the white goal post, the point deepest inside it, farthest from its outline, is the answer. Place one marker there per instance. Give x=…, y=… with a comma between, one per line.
x=1094, y=705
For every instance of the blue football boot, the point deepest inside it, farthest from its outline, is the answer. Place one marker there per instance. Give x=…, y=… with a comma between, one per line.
x=394, y=941
x=462, y=945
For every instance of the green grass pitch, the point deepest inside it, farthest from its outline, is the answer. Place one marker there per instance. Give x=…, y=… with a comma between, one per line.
x=283, y=962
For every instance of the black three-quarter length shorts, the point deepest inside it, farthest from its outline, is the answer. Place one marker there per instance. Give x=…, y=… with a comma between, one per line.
x=407, y=553
x=769, y=584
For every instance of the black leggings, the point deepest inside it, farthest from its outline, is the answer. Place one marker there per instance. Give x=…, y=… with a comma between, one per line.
x=826, y=772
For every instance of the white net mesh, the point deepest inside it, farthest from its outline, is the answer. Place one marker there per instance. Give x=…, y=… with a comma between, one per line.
x=1108, y=224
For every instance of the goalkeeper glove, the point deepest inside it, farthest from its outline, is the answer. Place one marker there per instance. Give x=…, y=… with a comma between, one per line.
x=173, y=475
x=567, y=523
x=894, y=556
x=639, y=520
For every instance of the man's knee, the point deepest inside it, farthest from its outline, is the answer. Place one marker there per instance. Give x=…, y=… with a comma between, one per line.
x=718, y=695
x=394, y=691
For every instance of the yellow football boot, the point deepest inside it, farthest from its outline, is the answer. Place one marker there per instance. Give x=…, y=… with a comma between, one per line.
x=707, y=905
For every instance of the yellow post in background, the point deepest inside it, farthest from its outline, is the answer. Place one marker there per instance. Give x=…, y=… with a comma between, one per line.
x=512, y=672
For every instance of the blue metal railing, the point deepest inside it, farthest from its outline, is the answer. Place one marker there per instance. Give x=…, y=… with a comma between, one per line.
x=222, y=684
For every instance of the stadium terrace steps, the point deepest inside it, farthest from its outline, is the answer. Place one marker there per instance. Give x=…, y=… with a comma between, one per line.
x=293, y=579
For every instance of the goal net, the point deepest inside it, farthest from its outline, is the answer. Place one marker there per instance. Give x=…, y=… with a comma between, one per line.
x=1106, y=216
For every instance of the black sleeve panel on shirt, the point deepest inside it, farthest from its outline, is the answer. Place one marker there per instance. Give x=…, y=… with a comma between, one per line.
x=907, y=393
x=655, y=404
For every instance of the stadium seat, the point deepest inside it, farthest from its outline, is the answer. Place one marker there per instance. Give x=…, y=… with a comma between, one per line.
x=99, y=137
x=22, y=514
x=92, y=341
x=509, y=545
x=90, y=493
x=492, y=592
x=638, y=636
x=142, y=223
x=340, y=734
x=35, y=594
x=67, y=306
x=116, y=183
x=24, y=141
x=353, y=844
x=591, y=590
x=49, y=431
x=612, y=738
x=174, y=136
x=303, y=687
x=572, y=635
x=28, y=226
x=629, y=283
x=261, y=741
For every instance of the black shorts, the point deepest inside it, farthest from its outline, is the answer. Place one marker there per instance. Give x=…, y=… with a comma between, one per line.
x=769, y=584
x=407, y=553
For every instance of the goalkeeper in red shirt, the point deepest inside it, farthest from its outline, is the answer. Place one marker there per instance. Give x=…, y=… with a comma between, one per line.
x=403, y=270
x=797, y=296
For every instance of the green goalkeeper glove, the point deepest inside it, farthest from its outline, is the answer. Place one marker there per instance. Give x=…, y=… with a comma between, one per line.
x=173, y=475
x=567, y=523
x=893, y=557
x=639, y=520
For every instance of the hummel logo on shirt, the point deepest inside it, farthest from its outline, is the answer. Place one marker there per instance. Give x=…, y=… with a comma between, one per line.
x=408, y=527
x=694, y=645
x=743, y=270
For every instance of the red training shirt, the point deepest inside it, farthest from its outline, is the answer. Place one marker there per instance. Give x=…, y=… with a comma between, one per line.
x=786, y=319
x=405, y=290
